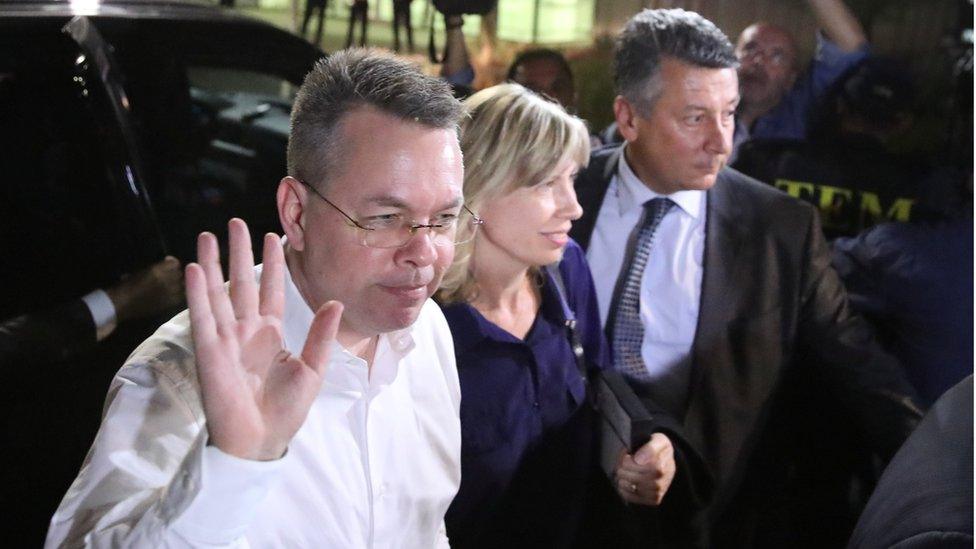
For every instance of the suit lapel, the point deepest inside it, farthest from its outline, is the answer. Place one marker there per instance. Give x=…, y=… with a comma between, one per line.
x=591, y=188
x=724, y=238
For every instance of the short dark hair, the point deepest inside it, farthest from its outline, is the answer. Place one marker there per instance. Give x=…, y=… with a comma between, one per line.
x=354, y=78
x=676, y=33
x=544, y=54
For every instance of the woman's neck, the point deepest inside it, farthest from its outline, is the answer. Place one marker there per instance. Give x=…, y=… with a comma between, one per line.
x=507, y=295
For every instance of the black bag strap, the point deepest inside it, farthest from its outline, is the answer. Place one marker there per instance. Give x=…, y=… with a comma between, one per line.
x=575, y=342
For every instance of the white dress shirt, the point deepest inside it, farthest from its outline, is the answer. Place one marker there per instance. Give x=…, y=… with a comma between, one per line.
x=376, y=463
x=670, y=291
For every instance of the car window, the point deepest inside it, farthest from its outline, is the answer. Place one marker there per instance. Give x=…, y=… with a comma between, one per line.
x=61, y=228
x=215, y=131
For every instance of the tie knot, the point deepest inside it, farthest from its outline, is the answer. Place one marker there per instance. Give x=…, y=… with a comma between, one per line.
x=655, y=209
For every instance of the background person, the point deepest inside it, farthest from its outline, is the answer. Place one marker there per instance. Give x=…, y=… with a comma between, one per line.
x=60, y=332
x=777, y=96
x=545, y=71
x=312, y=6
x=846, y=168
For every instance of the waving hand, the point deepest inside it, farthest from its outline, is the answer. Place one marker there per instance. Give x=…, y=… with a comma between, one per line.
x=255, y=394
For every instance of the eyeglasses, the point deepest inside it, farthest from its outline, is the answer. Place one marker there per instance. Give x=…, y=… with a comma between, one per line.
x=776, y=56
x=393, y=231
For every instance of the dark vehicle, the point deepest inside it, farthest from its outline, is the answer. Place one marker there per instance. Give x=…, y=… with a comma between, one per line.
x=125, y=129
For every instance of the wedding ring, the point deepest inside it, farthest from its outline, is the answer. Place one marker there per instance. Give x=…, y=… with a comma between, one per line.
x=633, y=488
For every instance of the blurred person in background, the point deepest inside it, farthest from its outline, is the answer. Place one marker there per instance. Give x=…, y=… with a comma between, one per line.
x=776, y=94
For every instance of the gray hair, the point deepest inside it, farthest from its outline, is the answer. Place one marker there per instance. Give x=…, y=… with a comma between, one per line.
x=676, y=33
x=351, y=79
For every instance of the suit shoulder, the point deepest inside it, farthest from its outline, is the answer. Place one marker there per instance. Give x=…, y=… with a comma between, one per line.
x=766, y=200
x=596, y=166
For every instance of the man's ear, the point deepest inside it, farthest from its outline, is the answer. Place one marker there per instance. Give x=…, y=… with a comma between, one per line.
x=625, y=113
x=291, y=211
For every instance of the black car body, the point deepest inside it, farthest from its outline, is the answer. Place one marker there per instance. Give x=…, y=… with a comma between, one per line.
x=126, y=128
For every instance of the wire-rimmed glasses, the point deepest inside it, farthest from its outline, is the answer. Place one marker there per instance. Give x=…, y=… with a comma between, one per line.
x=394, y=231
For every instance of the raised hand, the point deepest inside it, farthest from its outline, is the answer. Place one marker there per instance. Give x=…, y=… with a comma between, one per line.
x=255, y=394
x=645, y=477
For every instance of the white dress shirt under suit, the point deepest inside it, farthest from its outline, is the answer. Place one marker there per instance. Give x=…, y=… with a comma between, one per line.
x=670, y=292
x=376, y=463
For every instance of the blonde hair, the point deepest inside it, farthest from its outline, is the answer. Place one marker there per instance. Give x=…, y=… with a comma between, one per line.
x=511, y=138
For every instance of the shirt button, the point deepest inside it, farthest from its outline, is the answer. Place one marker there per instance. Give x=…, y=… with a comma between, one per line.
x=535, y=405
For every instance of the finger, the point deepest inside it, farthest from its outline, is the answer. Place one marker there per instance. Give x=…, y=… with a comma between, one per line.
x=243, y=290
x=209, y=258
x=643, y=492
x=630, y=476
x=628, y=464
x=273, y=277
x=629, y=492
x=321, y=334
x=653, y=449
x=202, y=323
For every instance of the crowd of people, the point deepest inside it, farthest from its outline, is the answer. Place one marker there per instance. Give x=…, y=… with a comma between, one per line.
x=414, y=362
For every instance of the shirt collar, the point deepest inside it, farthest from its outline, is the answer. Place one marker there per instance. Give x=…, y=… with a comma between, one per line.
x=632, y=193
x=298, y=317
x=469, y=327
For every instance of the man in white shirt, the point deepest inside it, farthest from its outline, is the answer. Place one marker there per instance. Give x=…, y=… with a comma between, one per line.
x=719, y=299
x=319, y=407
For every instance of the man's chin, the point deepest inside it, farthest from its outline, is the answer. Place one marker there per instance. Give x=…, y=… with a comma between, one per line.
x=400, y=318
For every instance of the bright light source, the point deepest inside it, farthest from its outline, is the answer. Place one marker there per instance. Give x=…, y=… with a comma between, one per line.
x=83, y=7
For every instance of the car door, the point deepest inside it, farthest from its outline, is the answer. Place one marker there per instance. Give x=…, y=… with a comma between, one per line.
x=73, y=217
x=211, y=100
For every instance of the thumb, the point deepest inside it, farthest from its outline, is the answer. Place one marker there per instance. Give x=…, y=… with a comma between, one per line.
x=321, y=334
x=645, y=454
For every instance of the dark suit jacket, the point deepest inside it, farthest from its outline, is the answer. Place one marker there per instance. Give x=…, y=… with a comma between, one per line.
x=925, y=497
x=46, y=336
x=770, y=302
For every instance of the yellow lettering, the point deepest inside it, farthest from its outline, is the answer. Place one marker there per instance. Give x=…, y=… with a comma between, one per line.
x=870, y=208
x=794, y=188
x=828, y=195
x=900, y=210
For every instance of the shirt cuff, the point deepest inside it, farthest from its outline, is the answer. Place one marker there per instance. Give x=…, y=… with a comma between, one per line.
x=103, y=313
x=229, y=492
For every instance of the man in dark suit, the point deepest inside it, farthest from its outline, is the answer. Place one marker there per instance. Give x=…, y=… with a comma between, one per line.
x=716, y=290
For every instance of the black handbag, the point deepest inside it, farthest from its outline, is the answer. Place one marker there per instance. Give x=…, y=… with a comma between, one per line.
x=625, y=423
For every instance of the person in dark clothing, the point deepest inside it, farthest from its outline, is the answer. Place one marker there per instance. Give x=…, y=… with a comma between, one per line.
x=58, y=333
x=312, y=6
x=915, y=281
x=845, y=168
x=925, y=496
x=717, y=290
x=358, y=11
x=545, y=71
x=401, y=17
x=527, y=433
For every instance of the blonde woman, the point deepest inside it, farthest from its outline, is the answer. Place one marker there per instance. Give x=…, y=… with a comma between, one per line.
x=527, y=433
